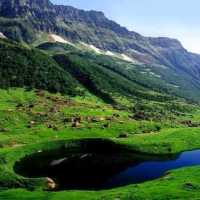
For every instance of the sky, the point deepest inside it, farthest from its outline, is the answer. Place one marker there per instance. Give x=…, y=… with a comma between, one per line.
x=171, y=18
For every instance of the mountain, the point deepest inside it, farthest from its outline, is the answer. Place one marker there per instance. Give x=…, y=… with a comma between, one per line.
x=162, y=64
x=80, y=95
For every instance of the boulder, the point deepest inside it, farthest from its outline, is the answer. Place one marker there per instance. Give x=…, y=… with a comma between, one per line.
x=4, y=129
x=116, y=115
x=31, y=105
x=19, y=105
x=49, y=126
x=190, y=186
x=76, y=124
x=32, y=122
x=77, y=119
x=66, y=120
x=97, y=119
x=40, y=93
x=189, y=123
x=106, y=125
x=51, y=184
x=123, y=135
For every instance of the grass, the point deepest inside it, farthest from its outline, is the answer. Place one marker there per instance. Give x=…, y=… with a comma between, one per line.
x=33, y=121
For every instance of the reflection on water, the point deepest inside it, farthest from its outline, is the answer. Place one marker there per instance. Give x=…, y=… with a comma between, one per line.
x=100, y=166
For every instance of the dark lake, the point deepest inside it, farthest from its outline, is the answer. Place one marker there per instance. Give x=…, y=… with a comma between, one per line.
x=100, y=166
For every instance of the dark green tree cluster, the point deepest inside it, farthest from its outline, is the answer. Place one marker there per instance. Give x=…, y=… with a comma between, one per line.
x=24, y=67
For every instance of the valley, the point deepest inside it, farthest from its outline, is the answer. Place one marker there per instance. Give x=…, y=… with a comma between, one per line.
x=90, y=110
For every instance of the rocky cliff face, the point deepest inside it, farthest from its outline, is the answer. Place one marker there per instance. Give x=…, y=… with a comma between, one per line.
x=22, y=19
x=25, y=8
x=90, y=26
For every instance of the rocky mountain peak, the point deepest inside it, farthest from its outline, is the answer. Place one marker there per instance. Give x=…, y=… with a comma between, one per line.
x=26, y=19
x=18, y=8
x=164, y=42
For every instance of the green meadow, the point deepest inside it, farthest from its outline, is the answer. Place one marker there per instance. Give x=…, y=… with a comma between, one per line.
x=33, y=121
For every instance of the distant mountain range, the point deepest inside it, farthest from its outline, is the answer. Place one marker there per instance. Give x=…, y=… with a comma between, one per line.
x=143, y=63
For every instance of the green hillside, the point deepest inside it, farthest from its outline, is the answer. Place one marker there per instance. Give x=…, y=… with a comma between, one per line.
x=162, y=60
x=22, y=66
x=70, y=70
x=142, y=81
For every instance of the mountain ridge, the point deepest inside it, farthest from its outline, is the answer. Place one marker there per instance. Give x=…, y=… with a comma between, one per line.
x=33, y=21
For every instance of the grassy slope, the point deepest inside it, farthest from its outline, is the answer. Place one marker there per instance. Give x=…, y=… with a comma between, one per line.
x=23, y=66
x=20, y=136
x=135, y=80
x=153, y=77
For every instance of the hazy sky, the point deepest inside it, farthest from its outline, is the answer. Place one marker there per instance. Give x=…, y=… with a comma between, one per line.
x=172, y=18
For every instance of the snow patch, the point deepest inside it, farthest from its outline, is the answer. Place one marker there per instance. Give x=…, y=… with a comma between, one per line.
x=127, y=58
x=2, y=35
x=156, y=75
x=175, y=86
x=120, y=56
x=95, y=49
x=110, y=53
x=148, y=71
x=57, y=38
x=92, y=47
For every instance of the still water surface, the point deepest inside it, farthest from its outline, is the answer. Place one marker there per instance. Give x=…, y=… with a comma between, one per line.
x=95, y=170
